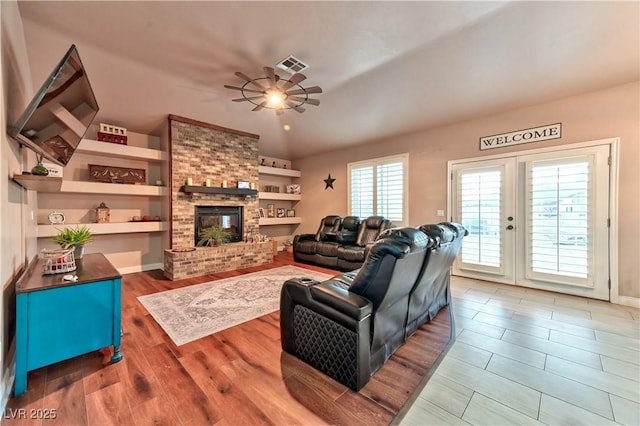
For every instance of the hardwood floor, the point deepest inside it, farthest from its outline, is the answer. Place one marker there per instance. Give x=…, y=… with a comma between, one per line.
x=238, y=376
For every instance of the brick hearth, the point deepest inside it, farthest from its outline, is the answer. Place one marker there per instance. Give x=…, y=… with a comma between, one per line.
x=209, y=260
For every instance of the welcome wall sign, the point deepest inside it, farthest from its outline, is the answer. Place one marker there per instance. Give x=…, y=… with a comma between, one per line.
x=535, y=134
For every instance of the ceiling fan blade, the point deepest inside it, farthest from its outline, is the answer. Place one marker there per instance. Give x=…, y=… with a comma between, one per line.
x=295, y=79
x=308, y=90
x=271, y=75
x=259, y=107
x=249, y=79
x=296, y=107
x=305, y=100
x=243, y=89
x=250, y=98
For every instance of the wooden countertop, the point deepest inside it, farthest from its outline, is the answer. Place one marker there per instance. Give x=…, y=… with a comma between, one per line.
x=92, y=267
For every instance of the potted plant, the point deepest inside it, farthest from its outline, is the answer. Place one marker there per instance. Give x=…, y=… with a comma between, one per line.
x=74, y=237
x=213, y=236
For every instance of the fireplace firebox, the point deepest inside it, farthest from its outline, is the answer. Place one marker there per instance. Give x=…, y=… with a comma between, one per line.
x=228, y=218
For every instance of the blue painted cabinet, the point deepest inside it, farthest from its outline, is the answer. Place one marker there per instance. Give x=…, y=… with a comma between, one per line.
x=57, y=320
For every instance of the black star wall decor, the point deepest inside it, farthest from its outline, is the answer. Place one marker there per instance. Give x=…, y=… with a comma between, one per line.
x=328, y=182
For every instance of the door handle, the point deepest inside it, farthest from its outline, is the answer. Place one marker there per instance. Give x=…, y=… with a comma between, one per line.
x=509, y=227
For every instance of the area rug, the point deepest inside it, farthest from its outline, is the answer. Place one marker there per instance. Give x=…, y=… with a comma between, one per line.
x=195, y=311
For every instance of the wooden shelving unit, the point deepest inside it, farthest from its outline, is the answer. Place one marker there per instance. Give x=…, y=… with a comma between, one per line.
x=77, y=189
x=279, y=229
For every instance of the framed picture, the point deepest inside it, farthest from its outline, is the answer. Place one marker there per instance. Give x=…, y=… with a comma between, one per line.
x=271, y=210
x=294, y=188
x=112, y=174
x=280, y=212
x=291, y=213
x=260, y=212
x=243, y=184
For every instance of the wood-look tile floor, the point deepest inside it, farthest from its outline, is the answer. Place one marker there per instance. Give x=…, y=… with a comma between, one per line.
x=525, y=356
x=238, y=376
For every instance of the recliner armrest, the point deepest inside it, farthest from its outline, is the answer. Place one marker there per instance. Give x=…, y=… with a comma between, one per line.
x=328, y=236
x=336, y=294
x=351, y=311
x=304, y=237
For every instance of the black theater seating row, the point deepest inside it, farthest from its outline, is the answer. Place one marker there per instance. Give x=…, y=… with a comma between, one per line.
x=339, y=243
x=349, y=326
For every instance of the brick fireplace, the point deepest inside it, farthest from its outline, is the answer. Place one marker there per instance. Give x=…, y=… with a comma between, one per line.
x=200, y=152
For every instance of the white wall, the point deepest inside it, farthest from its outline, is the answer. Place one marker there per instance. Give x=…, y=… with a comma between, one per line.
x=17, y=244
x=614, y=112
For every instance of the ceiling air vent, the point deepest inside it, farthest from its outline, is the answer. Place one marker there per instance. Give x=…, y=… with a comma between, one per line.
x=292, y=65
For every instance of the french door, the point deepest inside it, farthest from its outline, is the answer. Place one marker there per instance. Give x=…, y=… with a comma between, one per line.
x=536, y=220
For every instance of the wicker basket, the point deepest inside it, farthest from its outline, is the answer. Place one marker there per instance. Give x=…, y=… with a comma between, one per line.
x=58, y=261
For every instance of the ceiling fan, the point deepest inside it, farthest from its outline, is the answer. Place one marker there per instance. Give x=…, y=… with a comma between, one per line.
x=274, y=92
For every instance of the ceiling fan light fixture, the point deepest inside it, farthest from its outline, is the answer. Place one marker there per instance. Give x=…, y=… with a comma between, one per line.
x=275, y=97
x=275, y=92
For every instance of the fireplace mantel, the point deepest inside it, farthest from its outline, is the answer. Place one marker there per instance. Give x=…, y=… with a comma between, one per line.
x=214, y=190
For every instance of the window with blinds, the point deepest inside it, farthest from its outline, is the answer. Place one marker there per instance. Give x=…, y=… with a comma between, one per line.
x=559, y=227
x=378, y=187
x=480, y=206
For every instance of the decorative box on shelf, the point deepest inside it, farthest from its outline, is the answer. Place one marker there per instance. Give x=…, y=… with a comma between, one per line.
x=112, y=134
x=106, y=137
x=271, y=188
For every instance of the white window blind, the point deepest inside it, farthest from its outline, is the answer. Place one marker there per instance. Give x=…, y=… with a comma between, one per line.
x=377, y=187
x=559, y=228
x=480, y=206
x=362, y=191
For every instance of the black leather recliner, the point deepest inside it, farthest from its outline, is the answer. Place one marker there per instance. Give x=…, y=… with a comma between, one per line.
x=351, y=256
x=348, y=326
x=431, y=291
x=305, y=246
x=340, y=246
x=349, y=232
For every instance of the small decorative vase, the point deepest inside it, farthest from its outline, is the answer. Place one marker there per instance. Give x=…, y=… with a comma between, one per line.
x=40, y=170
x=78, y=251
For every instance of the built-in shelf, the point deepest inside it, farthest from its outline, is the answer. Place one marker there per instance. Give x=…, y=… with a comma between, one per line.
x=280, y=220
x=89, y=146
x=52, y=184
x=106, y=228
x=279, y=196
x=78, y=187
x=39, y=183
x=215, y=190
x=266, y=170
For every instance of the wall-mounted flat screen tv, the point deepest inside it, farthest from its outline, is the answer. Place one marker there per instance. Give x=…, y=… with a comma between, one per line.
x=59, y=115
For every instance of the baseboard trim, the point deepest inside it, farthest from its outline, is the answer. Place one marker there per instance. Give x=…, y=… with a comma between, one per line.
x=141, y=268
x=634, y=302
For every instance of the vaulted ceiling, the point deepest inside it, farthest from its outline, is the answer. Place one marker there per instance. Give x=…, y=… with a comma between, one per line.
x=386, y=68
